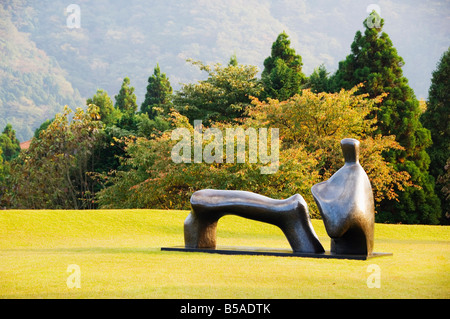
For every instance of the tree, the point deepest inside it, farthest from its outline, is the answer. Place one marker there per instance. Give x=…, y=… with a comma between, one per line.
x=222, y=97
x=444, y=183
x=436, y=118
x=153, y=179
x=158, y=95
x=126, y=104
x=108, y=114
x=282, y=76
x=318, y=122
x=53, y=172
x=126, y=99
x=319, y=81
x=233, y=61
x=9, y=144
x=374, y=61
x=42, y=127
x=311, y=126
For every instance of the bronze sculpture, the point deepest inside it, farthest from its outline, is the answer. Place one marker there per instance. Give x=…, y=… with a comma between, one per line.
x=345, y=202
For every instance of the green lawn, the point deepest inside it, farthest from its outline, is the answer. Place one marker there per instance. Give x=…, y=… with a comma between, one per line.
x=118, y=252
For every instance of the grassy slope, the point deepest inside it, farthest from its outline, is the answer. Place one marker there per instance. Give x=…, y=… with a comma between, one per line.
x=119, y=256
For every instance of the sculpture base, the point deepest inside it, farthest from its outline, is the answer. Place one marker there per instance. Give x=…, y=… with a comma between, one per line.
x=279, y=252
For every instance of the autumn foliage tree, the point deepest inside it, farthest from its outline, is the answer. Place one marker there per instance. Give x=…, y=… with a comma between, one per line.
x=319, y=121
x=310, y=129
x=53, y=172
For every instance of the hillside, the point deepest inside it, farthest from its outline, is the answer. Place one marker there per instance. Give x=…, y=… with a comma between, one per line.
x=118, y=39
x=32, y=85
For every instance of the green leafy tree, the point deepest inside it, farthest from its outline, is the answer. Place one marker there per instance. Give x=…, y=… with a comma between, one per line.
x=158, y=95
x=108, y=114
x=374, y=61
x=436, y=118
x=2, y=174
x=9, y=144
x=4, y=183
x=282, y=76
x=223, y=96
x=53, y=172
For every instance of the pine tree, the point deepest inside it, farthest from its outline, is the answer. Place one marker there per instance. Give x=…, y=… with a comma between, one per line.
x=126, y=99
x=437, y=119
x=374, y=61
x=159, y=93
x=282, y=76
x=319, y=81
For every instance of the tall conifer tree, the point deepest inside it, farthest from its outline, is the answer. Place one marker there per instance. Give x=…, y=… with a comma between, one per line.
x=159, y=93
x=282, y=76
x=374, y=61
x=437, y=119
x=126, y=99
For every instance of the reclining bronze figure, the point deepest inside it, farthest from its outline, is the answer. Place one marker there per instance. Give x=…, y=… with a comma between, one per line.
x=345, y=202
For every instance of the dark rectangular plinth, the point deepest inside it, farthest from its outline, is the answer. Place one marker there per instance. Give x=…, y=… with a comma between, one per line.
x=280, y=252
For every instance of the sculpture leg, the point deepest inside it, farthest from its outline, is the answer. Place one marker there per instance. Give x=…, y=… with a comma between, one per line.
x=302, y=238
x=354, y=241
x=290, y=215
x=199, y=233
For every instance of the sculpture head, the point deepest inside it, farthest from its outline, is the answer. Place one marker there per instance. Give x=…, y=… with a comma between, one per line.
x=350, y=149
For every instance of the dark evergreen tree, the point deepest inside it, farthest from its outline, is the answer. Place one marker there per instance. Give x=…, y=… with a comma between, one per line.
x=282, y=76
x=319, y=81
x=437, y=119
x=374, y=61
x=126, y=104
x=159, y=94
x=126, y=99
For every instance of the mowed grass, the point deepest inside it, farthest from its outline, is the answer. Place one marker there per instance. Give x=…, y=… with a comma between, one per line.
x=118, y=252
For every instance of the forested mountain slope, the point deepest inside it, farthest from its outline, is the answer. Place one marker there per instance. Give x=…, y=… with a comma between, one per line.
x=61, y=65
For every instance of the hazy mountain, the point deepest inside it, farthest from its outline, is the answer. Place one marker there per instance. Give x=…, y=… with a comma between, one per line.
x=127, y=38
